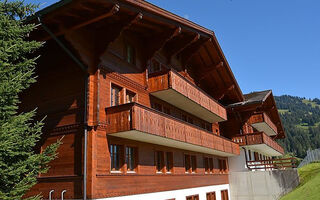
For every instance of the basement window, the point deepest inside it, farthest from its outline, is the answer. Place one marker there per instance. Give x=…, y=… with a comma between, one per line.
x=211, y=196
x=193, y=197
x=224, y=195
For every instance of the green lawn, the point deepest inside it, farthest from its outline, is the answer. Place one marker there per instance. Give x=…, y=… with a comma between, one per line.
x=309, y=188
x=313, y=104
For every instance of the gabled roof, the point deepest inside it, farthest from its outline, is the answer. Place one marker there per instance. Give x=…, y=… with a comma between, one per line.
x=253, y=98
x=257, y=102
x=196, y=45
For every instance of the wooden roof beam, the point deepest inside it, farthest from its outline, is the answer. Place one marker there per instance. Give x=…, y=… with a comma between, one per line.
x=189, y=52
x=161, y=41
x=210, y=70
x=132, y=22
x=224, y=92
x=117, y=31
x=111, y=12
x=175, y=49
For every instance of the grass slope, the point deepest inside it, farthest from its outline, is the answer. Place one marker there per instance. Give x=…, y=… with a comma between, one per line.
x=309, y=188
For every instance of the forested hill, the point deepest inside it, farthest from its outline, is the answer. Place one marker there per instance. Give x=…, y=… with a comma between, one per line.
x=301, y=121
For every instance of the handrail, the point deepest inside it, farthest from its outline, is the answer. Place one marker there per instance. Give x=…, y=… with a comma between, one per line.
x=154, y=74
x=265, y=139
x=166, y=115
x=197, y=87
x=272, y=164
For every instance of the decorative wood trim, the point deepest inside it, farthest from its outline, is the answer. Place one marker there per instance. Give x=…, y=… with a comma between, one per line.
x=122, y=79
x=61, y=130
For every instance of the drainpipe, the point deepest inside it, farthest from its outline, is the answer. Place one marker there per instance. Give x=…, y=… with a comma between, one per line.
x=84, y=68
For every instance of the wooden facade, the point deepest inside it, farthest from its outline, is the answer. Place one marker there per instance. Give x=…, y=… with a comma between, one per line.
x=154, y=83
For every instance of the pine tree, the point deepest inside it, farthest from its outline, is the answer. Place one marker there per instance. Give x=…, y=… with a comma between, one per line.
x=19, y=133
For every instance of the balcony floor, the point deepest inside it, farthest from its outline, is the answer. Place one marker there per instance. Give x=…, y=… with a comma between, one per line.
x=264, y=127
x=184, y=103
x=154, y=139
x=263, y=148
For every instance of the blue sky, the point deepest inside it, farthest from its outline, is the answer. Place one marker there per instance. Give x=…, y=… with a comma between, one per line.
x=269, y=44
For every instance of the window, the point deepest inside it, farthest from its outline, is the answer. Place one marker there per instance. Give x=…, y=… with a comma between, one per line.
x=130, y=96
x=206, y=164
x=211, y=164
x=169, y=162
x=115, y=95
x=131, y=56
x=211, y=196
x=155, y=66
x=187, y=163
x=224, y=195
x=193, y=164
x=115, y=157
x=130, y=158
x=159, y=161
x=216, y=164
x=193, y=197
x=223, y=165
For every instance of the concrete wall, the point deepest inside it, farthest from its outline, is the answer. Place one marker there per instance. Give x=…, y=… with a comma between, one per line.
x=262, y=185
x=238, y=163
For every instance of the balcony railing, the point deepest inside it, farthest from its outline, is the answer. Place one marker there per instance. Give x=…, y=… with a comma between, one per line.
x=262, y=139
x=262, y=122
x=180, y=92
x=137, y=122
x=271, y=164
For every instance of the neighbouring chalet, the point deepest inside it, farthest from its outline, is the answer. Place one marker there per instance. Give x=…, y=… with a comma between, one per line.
x=147, y=104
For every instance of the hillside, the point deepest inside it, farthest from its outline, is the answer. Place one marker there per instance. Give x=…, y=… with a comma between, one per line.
x=309, y=184
x=301, y=121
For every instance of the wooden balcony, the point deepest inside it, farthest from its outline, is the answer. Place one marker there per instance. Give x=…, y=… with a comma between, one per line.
x=178, y=91
x=262, y=122
x=260, y=142
x=136, y=122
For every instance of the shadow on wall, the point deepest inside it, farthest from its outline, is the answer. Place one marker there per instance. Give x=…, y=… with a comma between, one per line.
x=266, y=185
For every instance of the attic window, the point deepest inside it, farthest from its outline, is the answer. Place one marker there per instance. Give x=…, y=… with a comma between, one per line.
x=131, y=57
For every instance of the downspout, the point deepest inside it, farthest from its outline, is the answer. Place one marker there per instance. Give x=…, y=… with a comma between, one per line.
x=85, y=121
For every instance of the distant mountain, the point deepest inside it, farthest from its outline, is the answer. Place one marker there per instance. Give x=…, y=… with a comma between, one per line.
x=301, y=120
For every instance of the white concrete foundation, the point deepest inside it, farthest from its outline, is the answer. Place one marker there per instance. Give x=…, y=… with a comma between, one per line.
x=177, y=194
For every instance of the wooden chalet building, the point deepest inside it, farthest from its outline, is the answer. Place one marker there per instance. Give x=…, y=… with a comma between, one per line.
x=147, y=104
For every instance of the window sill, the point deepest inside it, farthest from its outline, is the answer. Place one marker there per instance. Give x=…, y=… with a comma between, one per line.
x=131, y=172
x=116, y=172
